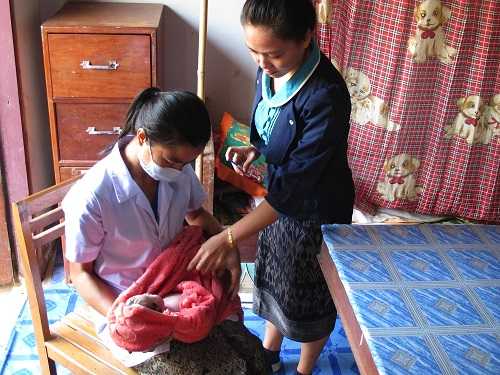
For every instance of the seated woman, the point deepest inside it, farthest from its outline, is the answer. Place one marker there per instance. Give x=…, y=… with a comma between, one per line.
x=130, y=205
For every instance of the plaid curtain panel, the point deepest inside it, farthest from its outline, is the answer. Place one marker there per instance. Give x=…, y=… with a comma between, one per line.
x=424, y=79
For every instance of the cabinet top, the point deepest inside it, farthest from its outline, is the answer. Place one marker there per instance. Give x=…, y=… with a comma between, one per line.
x=127, y=15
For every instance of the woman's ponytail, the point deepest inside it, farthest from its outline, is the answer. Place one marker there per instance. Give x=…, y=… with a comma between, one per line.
x=144, y=97
x=128, y=127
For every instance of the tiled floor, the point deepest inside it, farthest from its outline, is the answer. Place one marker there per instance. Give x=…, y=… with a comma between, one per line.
x=12, y=300
x=18, y=353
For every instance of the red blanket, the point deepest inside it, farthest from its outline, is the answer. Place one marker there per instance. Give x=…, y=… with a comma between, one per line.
x=203, y=304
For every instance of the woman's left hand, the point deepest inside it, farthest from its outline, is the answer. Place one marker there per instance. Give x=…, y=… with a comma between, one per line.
x=215, y=255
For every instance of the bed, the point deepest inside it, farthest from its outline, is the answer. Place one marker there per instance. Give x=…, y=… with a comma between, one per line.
x=417, y=299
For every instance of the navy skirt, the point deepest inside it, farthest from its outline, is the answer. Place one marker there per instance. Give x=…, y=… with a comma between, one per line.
x=290, y=289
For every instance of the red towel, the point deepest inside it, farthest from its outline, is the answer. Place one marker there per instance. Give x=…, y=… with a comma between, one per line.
x=203, y=304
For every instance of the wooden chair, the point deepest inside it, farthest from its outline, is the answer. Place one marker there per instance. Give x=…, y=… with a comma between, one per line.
x=72, y=341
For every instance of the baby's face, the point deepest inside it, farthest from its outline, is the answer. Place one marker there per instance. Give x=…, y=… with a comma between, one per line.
x=151, y=301
x=171, y=302
x=155, y=302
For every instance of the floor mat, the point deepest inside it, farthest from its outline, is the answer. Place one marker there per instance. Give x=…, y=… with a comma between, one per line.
x=20, y=357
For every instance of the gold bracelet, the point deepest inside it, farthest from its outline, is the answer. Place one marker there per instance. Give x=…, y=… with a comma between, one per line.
x=230, y=238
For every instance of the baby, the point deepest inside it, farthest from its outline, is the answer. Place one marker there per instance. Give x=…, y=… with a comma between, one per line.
x=155, y=302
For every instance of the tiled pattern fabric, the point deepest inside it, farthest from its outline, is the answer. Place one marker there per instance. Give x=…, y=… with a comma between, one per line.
x=369, y=39
x=426, y=297
x=21, y=357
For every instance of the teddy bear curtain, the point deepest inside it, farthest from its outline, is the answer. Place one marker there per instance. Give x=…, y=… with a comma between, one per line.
x=425, y=90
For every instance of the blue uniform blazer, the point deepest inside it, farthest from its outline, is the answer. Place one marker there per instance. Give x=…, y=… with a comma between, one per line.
x=308, y=173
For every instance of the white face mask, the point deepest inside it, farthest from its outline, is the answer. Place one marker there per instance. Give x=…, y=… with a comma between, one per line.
x=156, y=172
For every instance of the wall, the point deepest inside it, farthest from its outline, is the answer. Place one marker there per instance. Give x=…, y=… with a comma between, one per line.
x=27, y=16
x=10, y=134
x=12, y=159
x=229, y=70
x=25, y=150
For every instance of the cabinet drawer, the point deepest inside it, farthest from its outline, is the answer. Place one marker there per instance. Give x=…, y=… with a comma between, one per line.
x=68, y=172
x=81, y=65
x=84, y=130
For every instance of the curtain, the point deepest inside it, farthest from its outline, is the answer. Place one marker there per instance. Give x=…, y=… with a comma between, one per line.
x=425, y=91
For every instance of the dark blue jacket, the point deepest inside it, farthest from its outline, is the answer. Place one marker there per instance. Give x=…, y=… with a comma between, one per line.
x=308, y=174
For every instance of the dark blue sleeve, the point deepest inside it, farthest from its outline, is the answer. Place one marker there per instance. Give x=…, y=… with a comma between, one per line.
x=325, y=115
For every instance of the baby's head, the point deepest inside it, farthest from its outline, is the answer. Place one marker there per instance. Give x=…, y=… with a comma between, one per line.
x=151, y=301
x=155, y=302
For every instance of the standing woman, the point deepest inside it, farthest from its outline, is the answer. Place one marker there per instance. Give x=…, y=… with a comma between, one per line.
x=300, y=123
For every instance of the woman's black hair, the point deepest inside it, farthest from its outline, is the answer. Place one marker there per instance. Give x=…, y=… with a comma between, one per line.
x=288, y=19
x=169, y=118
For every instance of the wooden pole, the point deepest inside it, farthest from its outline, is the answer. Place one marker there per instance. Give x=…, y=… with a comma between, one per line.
x=204, y=166
x=202, y=41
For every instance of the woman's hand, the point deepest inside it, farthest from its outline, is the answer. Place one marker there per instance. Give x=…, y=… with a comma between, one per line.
x=216, y=255
x=241, y=158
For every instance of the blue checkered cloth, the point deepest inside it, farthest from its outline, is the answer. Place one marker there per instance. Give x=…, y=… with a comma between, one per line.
x=427, y=297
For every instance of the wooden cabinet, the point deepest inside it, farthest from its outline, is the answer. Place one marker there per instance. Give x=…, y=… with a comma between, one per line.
x=97, y=57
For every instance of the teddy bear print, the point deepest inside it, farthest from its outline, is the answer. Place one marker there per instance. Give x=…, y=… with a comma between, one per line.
x=366, y=107
x=399, y=178
x=429, y=39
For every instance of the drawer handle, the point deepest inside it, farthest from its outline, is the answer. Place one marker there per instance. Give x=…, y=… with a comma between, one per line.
x=77, y=172
x=87, y=65
x=92, y=131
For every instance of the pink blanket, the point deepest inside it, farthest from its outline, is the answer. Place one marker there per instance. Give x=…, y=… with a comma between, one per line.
x=204, y=300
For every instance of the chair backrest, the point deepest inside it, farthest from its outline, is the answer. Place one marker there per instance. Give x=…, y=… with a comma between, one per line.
x=38, y=221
